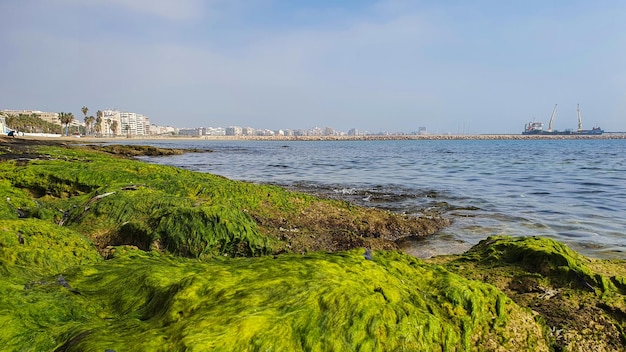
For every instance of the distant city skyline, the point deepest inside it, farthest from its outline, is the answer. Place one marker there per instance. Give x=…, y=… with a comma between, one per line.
x=390, y=65
x=130, y=123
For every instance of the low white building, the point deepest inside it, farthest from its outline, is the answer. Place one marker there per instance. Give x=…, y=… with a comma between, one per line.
x=162, y=130
x=192, y=132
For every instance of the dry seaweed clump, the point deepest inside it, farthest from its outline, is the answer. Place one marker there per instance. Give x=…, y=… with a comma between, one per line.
x=581, y=301
x=139, y=301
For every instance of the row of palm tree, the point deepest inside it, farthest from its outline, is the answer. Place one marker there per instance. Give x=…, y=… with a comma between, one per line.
x=31, y=123
x=66, y=118
x=93, y=125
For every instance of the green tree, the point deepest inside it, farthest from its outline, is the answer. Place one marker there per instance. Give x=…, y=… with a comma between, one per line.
x=114, y=127
x=89, y=120
x=66, y=118
x=85, y=109
x=99, y=115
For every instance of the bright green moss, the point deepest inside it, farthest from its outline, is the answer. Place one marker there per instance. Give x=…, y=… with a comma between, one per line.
x=14, y=203
x=580, y=301
x=119, y=201
x=212, y=230
x=42, y=247
x=538, y=255
x=317, y=302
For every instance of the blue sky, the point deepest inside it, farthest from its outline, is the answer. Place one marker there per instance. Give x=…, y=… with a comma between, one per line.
x=389, y=65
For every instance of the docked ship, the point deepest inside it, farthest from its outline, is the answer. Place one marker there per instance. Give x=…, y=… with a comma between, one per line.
x=536, y=128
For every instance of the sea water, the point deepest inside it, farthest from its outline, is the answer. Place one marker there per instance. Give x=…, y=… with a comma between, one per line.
x=570, y=190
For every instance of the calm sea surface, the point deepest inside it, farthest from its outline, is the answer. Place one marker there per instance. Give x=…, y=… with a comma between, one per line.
x=570, y=190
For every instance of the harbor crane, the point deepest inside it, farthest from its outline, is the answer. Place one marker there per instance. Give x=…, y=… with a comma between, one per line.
x=552, y=118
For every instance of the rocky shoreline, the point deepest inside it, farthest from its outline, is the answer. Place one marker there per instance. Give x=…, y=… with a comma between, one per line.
x=99, y=251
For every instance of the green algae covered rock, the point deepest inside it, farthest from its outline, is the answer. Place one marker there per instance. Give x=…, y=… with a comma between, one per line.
x=35, y=299
x=116, y=201
x=42, y=247
x=581, y=301
x=315, y=302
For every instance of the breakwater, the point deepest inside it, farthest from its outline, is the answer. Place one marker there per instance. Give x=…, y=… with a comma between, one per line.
x=390, y=137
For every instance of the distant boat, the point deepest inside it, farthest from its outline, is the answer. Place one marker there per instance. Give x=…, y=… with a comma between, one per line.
x=536, y=128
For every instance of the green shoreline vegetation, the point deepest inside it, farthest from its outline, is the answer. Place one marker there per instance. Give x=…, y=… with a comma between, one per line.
x=102, y=252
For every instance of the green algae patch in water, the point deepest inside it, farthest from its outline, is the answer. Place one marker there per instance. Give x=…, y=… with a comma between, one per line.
x=315, y=302
x=580, y=301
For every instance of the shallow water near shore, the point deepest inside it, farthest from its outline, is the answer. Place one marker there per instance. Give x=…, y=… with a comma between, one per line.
x=571, y=190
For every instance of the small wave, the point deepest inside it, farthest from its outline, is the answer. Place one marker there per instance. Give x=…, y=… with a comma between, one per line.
x=350, y=191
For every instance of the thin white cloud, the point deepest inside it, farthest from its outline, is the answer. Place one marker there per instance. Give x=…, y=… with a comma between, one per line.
x=177, y=10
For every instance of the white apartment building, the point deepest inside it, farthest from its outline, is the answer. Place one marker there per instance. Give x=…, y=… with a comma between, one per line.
x=160, y=130
x=107, y=125
x=134, y=124
x=234, y=131
x=128, y=123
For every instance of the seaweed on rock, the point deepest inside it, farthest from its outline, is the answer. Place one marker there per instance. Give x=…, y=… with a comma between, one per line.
x=42, y=247
x=580, y=301
x=116, y=201
x=315, y=302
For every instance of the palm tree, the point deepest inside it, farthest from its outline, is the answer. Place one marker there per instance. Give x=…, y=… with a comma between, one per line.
x=114, y=127
x=85, y=109
x=66, y=118
x=89, y=120
x=99, y=115
x=108, y=127
x=98, y=126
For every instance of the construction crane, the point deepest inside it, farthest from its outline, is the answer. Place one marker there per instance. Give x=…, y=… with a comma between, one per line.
x=552, y=118
x=580, y=120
